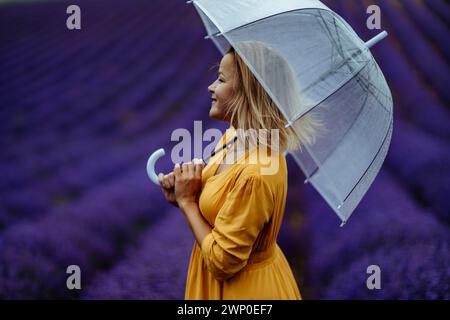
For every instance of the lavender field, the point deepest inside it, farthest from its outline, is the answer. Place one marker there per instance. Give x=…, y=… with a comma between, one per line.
x=80, y=112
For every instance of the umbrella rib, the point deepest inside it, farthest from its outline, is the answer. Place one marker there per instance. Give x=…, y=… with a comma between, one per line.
x=337, y=45
x=346, y=132
x=379, y=149
x=300, y=115
x=350, y=69
x=350, y=127
x=330, y=35
x=368, y=167
x=369, y=86
x=339, y=49
x=321, y=78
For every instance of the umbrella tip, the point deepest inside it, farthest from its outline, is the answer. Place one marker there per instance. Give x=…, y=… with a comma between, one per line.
x=369, y=44
x=343, y=223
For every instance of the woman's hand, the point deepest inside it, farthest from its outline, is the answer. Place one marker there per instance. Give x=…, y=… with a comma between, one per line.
x=188, y=182
x=167, y=183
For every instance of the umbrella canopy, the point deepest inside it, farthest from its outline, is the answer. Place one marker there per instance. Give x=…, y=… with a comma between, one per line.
x=314, y=66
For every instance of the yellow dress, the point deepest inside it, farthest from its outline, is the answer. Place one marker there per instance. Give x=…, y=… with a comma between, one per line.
x=240, y=258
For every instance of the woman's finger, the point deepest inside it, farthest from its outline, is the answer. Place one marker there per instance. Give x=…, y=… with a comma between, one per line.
x=191, y=169
x=164, y=182
x=185, y=169
x=167, y=181
x=177, y=170
x=171, y=179
x=195, y=162
x=198, y=169
x=160, y=179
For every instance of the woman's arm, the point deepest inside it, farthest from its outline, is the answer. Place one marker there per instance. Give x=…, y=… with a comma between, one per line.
x=199, y=226
x=188, y=184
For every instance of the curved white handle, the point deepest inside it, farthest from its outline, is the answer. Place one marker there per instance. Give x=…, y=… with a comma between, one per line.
x=151, y=165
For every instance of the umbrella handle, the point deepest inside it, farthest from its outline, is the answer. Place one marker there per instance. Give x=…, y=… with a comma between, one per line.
x=151, y=165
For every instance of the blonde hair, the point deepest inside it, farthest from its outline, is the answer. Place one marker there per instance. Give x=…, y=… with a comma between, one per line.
x=251, y=107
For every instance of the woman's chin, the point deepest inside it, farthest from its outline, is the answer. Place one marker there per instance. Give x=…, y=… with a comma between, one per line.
x=214, y=113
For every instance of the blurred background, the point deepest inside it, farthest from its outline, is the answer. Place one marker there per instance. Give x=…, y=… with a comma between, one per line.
x=80, y=112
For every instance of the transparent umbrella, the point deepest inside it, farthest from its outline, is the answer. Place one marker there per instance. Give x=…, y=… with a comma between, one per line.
x=323, y=79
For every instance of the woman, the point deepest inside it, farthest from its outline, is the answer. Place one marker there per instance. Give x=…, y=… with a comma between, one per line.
x=233, y=207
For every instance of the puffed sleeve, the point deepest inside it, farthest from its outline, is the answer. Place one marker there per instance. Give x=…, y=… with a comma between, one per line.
x=246, y=209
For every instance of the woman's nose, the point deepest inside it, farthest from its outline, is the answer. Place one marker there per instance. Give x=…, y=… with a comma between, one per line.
x=211, y=88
